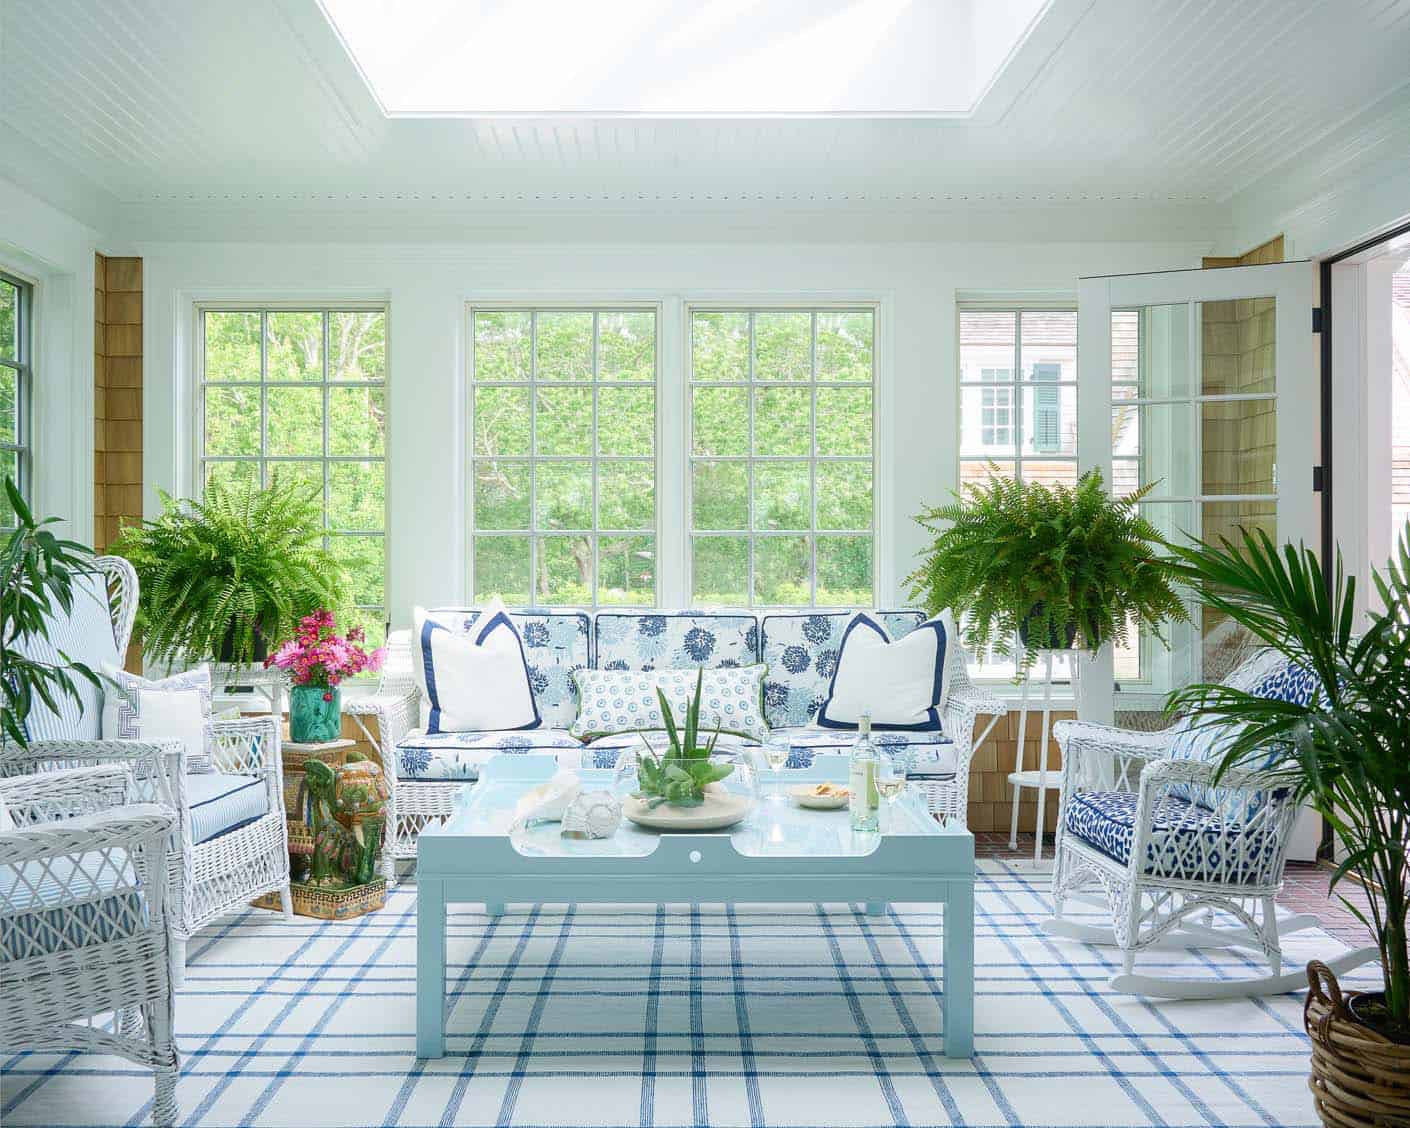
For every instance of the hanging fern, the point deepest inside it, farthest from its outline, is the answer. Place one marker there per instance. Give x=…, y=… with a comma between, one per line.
x=1011, y=554
x=242, y=563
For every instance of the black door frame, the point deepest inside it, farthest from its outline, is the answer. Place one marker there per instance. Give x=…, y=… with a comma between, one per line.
x=1324, y=328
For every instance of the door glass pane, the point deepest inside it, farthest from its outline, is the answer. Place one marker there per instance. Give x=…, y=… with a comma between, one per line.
x=1197, y=426
x=1238, y=346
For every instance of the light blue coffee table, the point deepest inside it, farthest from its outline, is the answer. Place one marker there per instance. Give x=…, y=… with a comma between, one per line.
x=779, y=854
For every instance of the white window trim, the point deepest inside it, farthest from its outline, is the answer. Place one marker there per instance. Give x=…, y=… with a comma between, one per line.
x=548, y=305
x=195, y=442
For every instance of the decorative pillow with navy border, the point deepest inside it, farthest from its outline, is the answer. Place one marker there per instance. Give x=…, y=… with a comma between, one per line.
x=902, y=684
x=476, y=682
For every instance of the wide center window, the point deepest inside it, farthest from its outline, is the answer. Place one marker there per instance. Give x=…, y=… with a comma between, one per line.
x=563, y=407
x=782, y=456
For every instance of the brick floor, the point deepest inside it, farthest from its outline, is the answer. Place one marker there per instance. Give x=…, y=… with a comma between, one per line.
x=1304, y=887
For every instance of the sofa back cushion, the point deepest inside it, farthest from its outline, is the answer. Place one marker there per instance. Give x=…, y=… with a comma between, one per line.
x=800, y=650
x=555, y=644
x=676, y=639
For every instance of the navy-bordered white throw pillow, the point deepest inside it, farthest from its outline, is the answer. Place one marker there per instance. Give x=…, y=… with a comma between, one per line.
x=477, y=682
x=902, y=684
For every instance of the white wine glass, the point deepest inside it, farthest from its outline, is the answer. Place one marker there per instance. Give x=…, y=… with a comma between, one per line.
x=892, y=770
x=625, y=781
x=776, y=752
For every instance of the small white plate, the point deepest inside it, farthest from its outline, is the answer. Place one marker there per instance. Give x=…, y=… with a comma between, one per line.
x=802, y=794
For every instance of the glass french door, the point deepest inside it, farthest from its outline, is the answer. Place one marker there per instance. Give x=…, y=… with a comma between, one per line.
x=1206, y=387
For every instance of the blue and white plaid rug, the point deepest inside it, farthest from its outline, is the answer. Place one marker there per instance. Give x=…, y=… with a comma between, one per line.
x=759, y=1015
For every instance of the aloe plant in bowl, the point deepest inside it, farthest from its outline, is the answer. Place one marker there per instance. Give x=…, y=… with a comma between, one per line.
x=680, y=775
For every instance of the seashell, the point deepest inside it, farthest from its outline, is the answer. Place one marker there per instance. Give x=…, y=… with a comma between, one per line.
x=592, y=814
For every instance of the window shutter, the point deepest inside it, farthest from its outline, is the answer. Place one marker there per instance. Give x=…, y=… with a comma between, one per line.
x=1047, y=409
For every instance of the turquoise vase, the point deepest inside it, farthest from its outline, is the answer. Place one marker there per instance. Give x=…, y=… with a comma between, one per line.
x=313, y=720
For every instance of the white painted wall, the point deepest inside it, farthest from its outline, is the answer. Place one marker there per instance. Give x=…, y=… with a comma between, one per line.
x=428, y=285
x=53, y=251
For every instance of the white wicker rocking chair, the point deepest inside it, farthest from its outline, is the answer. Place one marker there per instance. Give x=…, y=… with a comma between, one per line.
x=83, y=922
x=209, y=878
x=1148, y=838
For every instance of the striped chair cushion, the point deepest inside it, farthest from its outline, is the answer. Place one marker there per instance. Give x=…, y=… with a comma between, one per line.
x=222, y=802
x=85, y=635
x=34, y=923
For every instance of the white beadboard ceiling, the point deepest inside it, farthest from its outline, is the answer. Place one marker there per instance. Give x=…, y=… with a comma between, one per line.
x=162, y=106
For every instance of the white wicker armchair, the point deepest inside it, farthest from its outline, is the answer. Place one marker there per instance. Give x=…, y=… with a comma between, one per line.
x=1151, y=840
x=84, y=940
x=209, y=877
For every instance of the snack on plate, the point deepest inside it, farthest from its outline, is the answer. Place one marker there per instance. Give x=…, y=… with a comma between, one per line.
x=829, y=791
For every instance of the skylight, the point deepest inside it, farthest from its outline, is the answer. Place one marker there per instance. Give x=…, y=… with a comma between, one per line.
x=681, y=58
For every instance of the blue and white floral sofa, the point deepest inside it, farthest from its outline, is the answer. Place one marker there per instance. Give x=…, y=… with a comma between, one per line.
x=799, y=648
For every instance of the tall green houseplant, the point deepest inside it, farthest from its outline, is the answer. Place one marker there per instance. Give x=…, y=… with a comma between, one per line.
x=1063, y=565
x=226, y=576
x=37, y=574
x=1347, y=750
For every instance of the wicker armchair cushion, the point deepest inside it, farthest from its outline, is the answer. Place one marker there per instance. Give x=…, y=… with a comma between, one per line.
x=461, y=755
x=222, y=802
x=68, y=903
x=1187, y=842
x=1268, y=675
x=85, y=635
x=801, y=650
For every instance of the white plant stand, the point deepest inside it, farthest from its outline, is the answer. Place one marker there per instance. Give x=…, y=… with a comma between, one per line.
x=1040, y=780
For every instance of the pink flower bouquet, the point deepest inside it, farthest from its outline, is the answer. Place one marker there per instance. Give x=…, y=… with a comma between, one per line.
x=316, y=656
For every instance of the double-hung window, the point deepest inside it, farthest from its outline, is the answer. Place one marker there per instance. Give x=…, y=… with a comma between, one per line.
x=301, y=395
x=15, y=298
x=782, y=450
x=563, y=455
x=1018, y=404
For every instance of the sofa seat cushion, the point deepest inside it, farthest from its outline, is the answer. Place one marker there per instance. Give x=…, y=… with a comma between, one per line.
x=1188, y=842
x=933, y=753
x=603, y=752
x=71, y=903
x=221, y=802
x=461, y=755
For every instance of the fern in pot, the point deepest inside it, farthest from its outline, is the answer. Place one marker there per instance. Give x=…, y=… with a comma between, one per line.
x=224, y=577
x=1058, y=566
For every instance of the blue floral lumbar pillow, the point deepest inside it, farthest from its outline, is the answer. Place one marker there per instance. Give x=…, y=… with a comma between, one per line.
x=613, y=701
x=476, y=682
x=902, y=684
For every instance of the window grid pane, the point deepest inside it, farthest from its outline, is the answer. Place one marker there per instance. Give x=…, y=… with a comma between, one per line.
x=15, y=388
x=1018, y=417
x=301, y=394
x=563, y=465
x=754, y=506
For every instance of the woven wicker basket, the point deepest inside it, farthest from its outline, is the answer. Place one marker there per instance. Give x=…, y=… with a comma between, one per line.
x=1359, y=1078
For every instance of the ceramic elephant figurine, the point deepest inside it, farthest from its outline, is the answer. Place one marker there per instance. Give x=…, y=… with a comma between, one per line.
x=346, y=806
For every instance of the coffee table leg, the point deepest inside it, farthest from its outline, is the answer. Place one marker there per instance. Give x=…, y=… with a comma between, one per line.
x=430, y=968
x=959, y=969
x=494, y=908
x=876, y=908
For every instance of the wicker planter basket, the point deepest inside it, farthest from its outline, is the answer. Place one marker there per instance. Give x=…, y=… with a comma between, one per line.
x=1359, y=1079
x=331, y=904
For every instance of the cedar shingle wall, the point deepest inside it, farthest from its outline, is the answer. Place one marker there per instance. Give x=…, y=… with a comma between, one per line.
x=117, y=396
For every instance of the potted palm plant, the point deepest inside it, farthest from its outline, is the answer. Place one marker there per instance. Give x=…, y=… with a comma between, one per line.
x=1347, y=754
x=37, y=573
x=1054, y=565
x=224, y=577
